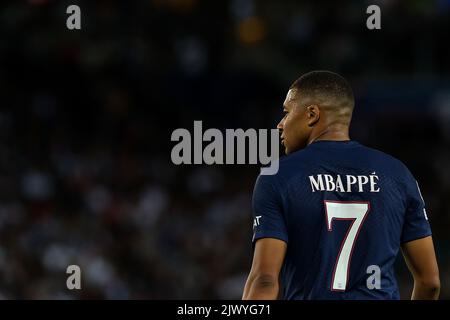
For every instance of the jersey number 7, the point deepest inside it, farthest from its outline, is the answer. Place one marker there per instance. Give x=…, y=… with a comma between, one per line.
x=345, y=210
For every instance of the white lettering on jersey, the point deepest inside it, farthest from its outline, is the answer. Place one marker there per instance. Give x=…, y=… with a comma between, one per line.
x=347, y=183
x=256, y=221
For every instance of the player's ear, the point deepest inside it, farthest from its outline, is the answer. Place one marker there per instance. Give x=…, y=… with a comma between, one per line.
x=312, y=114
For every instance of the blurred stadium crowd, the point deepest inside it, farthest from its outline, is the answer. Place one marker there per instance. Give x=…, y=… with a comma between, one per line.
x=86, y=117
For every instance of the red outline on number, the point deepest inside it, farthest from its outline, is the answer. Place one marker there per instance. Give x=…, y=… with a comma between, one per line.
x=330, y=228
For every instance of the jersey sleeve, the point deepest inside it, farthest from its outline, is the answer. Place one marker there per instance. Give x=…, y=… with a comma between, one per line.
x=416, y=224
x=268, y=219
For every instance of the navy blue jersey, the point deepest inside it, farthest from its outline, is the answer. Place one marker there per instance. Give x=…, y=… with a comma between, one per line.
x=344, y=210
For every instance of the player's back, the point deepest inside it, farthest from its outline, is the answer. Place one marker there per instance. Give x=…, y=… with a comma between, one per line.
x=344, y=209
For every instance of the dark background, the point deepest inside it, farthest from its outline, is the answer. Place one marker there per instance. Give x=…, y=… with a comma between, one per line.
x=86, y=118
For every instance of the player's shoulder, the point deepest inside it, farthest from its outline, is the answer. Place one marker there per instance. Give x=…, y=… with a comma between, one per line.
x=291, y=166
x=358, y=154
x=379, y=155
x=383, y=156
x=321, y=152
x=389, y=163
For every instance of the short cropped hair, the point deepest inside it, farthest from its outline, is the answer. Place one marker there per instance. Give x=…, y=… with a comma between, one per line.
x=326, y=85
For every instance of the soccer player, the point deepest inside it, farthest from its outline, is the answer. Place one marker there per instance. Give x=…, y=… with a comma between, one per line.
x=330, y=223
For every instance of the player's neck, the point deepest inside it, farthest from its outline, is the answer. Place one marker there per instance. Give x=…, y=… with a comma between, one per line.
x=336, y=132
